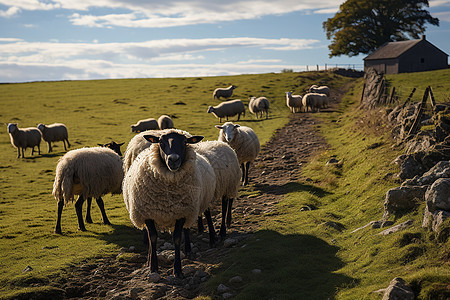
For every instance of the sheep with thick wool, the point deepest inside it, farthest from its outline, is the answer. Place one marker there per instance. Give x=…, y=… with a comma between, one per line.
x=244, y=142
x=23, y=138
x=294, y=102
x=258, y=106
x=228, y=109
x=165, y=188
x=224, y=92
x=320, y=89
x=314, y=101
x=225, y=163
x=87, y=172
x=165, y=122
x=54, y=133
x=146, y=124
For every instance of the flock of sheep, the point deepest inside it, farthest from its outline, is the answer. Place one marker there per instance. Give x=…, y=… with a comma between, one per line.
x=316, y=98
x=168, y=177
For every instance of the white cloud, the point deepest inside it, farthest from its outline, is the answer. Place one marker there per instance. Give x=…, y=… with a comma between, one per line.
x=169, y=13
x=442, y=16
x=13, y=10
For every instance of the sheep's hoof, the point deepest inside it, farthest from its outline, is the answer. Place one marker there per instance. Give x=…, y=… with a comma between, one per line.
x=82, y=229
x=58, y=231
x=89, y=220
x=107, y=222
x=178, y=275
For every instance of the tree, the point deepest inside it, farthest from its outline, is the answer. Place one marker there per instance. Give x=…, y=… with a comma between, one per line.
x=361, y=26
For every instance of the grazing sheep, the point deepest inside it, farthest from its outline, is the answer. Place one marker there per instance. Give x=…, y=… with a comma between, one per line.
x=54, y=133
x=87, y=172
x=165, y=122
x=294, y=102
x=23, y=138
x=165, y=187
x=259, y=105
x=143, y=125
x=245, y=143
x=113, y=146
x=225, y=163
x=223, y=92
x=320, y=89
x=228, y=109
x=314, y=101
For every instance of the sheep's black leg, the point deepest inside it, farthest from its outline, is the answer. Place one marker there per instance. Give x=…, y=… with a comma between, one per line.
x=230, y=204
x=243, y=172
x=78, y=209
x=49, y=147
x=145, y=236
x=102, y=209
x=152, y=237
x=32, y=151
x=39, y=149
x=187, y=242
x=223, y=229
x=177, y=241
x=247, y=166
x=212, y=232
x=88, y=218
x=58, y=219
x=23, y=153
x=18, y=152
x=200, y=227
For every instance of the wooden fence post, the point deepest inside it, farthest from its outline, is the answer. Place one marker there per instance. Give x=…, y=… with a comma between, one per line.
x=409, y=97
x=421, y=107
x=392, y=95
x=433, y=102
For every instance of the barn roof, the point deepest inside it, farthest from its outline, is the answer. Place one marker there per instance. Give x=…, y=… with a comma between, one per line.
x=395, y=49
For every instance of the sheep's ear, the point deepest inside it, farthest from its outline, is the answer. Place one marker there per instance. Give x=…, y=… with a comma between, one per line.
x=219, y=127
x=121, y=144
x=194, y=139
x=151, y=138
x=101, y=145
x=237, y=125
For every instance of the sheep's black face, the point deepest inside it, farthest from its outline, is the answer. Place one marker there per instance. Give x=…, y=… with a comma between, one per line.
x=172, y=148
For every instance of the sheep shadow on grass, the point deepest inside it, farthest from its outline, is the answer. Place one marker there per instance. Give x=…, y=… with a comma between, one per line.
x=276, y=189
x=291, y=266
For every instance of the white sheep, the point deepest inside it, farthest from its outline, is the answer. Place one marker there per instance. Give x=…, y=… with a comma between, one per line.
x=244, y=142
x=294, y=102
x=228, y=109
x=225, y=163
x=23, y=138
x=223, y=92
x=259, y=105
x=54, y=133
x=165, y=122
x=87, y=172
x=146, y=124
x=320, y=89
x=165, y=187
x=314, y=101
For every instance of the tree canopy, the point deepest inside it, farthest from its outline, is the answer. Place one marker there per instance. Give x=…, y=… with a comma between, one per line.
x=361, y=26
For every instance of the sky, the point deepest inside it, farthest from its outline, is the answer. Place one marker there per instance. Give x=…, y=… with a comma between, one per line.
x=44, y=40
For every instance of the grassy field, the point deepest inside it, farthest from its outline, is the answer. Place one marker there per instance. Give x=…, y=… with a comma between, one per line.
x=98, y=112
x=314, y=254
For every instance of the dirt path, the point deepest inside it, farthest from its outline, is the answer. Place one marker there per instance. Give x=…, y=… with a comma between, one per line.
x=278, y=163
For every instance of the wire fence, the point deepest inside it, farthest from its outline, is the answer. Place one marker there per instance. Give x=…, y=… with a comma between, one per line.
x=326, y=67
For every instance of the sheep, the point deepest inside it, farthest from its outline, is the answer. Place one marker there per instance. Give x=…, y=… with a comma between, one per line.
x=147, y=124
x=54, y=133
x=164, y=122
x=294, y=102
x=113, y=146
x=223, y=92
x=87, y=172
x=258, y=105
x=313, y=101
x=23, y=138
x=225, y=163
x=228, y=109
x=320, y=89
x=244, y=141
x=165, y=187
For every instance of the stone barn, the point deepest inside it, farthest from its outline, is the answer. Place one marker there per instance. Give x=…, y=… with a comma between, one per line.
x=407, y=56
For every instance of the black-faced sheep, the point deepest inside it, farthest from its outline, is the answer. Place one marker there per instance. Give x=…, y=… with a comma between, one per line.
x=143, y=125
x=228, y=109
x=294, y=102
x=87, y=172
x=223, y=92
x=54, y=133
x=165, y=187
x=258, y=106
x=23, y=138
x=225, y=163
x=244, y=142
x=165, y=122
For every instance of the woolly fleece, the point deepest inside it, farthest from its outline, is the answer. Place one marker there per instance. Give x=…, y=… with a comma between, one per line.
x=245, y=142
